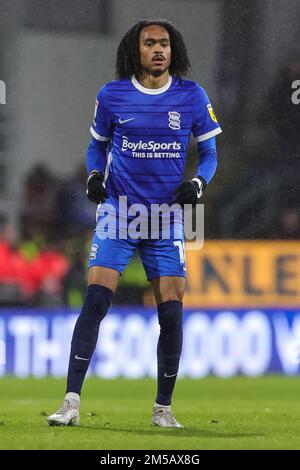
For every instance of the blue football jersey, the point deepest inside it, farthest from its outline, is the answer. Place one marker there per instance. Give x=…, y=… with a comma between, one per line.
x=148, y=132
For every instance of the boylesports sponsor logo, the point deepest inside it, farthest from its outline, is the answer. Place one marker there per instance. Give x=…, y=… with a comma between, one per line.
x=151, y=145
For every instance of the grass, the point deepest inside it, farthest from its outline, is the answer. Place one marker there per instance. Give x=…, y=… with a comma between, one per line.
x=235, y=413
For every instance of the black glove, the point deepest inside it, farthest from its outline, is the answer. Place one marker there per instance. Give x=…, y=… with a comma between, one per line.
x=95, y=189
x=189, y=191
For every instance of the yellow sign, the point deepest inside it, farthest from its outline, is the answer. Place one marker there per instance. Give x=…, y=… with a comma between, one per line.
x=228, y=274
x=212, y=113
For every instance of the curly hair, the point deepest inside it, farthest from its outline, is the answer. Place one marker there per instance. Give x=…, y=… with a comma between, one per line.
x=128, y=55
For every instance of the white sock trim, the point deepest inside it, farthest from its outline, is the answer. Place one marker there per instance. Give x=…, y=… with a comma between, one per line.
x=168, y=407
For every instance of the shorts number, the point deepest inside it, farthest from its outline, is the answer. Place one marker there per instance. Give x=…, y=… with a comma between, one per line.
x=181, y=250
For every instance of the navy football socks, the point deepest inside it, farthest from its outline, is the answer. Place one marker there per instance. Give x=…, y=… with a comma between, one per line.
x=85, y=335
x=168, y=349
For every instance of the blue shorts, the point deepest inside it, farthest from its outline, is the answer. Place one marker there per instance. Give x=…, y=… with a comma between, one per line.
x=160, y=257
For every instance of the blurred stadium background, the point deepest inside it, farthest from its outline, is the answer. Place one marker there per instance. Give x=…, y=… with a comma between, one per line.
x=243, y=291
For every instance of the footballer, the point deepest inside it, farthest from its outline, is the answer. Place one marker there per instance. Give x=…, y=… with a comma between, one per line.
x=142, y=124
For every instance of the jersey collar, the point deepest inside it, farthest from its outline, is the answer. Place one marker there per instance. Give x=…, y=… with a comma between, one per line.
x=151, y=91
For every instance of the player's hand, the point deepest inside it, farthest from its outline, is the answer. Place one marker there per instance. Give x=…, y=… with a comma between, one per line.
x=95, y=189
x=189, y=192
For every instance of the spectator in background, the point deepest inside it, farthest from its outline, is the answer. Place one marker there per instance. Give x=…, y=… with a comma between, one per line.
x=289, y=224
x=74, y=282
x=8, y=233
x=38, y=212
x=29, y=274
x=10, y=291
x=74, y=215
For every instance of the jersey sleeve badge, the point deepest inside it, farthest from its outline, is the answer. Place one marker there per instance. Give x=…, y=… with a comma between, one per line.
x=211, y=113
x=95, y=113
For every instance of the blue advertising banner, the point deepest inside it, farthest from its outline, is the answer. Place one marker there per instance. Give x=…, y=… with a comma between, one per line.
x=251, y=342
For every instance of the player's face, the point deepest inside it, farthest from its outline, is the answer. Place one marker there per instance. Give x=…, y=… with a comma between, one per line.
x=155, y=50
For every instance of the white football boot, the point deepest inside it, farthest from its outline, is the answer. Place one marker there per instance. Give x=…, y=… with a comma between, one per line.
x=162, y=416
x=68, y=413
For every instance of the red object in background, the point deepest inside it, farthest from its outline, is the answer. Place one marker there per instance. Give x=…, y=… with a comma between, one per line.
x=46, y=271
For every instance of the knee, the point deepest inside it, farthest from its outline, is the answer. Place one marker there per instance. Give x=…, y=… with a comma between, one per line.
x=97, y=300
x=170, y=315
x=175, y=293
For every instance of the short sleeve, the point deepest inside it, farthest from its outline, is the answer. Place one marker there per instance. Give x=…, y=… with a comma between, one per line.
x=102, y=125
x=205, y=123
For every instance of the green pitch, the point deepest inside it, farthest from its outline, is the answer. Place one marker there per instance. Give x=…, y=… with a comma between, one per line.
x=237, y=413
